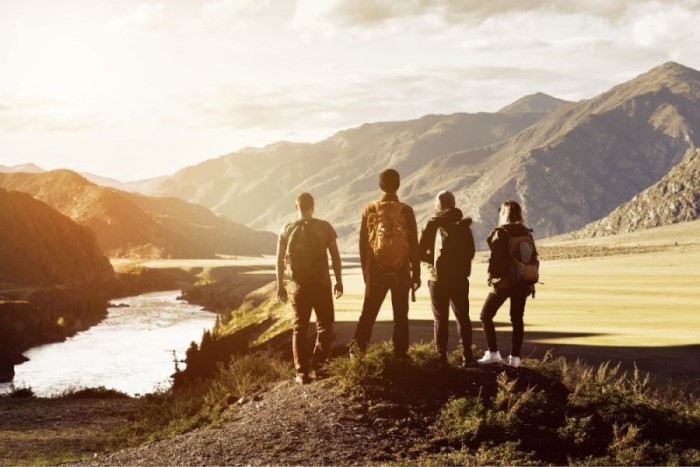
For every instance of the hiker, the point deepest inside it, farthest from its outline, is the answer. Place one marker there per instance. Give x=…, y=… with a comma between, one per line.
x=513, y=253
x=449, y=258
x=390, y=261
x=301, y=247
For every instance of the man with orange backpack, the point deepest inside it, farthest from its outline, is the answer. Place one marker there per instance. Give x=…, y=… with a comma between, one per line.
x=390, y=261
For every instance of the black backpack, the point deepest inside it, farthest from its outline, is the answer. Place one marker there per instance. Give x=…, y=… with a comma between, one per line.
x=457, y=252
x=303, y=258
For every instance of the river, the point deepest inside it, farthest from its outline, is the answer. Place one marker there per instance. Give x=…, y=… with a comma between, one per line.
x=130, y=350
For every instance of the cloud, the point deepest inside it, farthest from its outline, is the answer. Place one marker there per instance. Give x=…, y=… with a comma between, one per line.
x=668, y=28
x=229, y=14
x=145, y=17
x=351, y=13
x=388, y=97
x=228, y=9
x=41, y=115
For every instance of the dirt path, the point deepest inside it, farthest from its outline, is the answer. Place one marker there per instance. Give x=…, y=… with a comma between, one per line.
x=290, y=424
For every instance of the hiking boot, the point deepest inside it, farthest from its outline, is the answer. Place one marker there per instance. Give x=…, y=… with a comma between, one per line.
x=302, y=378
x=514, y=361
x=490, y=357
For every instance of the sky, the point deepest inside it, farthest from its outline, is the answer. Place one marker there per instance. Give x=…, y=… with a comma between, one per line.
x=132, y=89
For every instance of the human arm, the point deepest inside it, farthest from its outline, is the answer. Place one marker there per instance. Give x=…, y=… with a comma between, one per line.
x=364, y=244
x=498, y=259
x=426, y=244
x=281, y=251
x=413, y=249
x=337, y=268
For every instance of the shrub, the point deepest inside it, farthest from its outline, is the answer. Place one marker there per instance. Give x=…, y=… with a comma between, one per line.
x=100, y=392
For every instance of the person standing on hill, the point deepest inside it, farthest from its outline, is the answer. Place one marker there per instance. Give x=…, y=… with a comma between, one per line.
x=302, y=247
x=449, y=257
x=390, y=261
x=513, y=272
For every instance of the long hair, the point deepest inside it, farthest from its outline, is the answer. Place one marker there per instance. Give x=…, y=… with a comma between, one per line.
x=510, y=213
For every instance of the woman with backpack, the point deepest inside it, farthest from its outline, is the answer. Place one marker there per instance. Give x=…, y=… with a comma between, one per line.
x=513, y=269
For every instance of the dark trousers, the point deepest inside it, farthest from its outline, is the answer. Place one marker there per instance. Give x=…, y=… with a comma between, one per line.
x=456, y=294
x=304, y=299
x=518, y=296
x=375, y=292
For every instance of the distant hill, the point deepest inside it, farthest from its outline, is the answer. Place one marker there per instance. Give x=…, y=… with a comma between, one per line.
x=29, y=168
x=538, y=102
x=675, y=198
x=568, y=167
x=132, y=225
x=258, y=186
x=132, y=186
x=40, y=246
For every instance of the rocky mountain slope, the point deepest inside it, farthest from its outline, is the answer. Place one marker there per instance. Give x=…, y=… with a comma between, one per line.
x=568, y=167
x=132, y=225
x=258, y=186
x=675, y=198
x=40, y=246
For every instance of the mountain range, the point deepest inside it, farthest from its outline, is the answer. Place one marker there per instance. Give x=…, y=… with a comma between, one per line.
x=568, y=163
x=134, y=225
x=674, y=198
x=40, y=246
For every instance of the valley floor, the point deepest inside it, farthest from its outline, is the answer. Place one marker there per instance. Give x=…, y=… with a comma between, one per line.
x=634, y=308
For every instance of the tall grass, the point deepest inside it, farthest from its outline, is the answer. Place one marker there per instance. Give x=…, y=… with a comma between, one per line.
x=603, y=417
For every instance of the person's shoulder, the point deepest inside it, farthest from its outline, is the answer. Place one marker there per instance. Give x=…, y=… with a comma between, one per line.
x=286, y=228
x=496, y=234
x=406, y=207
x=324, y=224
x=326, y=227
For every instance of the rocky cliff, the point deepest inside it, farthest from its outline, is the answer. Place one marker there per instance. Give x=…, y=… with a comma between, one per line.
x=675, y=198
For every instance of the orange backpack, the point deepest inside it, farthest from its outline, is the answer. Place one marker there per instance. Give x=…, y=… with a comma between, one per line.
x=388, y=235
x=525, y=266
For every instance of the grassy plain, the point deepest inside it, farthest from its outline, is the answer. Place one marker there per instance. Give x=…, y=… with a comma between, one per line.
x=634, y=308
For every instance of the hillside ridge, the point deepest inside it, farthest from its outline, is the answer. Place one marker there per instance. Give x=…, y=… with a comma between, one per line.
x=134, y=225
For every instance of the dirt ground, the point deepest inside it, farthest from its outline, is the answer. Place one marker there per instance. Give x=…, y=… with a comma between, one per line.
x=39, y=431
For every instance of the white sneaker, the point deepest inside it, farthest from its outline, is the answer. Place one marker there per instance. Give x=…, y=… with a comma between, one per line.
x=514, y=361
x=490, y=357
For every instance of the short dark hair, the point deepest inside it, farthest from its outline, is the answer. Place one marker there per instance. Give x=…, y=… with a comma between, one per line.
x=305, y=201
x=389, y=181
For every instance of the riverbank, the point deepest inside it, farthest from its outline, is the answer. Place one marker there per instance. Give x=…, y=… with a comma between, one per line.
x=32, y=316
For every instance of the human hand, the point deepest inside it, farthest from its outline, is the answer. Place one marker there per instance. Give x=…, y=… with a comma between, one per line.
x=338, y=289
x=282, y=294
x=416, y=283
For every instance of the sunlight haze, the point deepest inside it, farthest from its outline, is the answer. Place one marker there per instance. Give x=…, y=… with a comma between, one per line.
x=135, y=89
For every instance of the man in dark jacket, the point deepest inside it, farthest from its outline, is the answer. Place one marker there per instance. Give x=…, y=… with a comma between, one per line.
x=390, y=261
x=449, y=256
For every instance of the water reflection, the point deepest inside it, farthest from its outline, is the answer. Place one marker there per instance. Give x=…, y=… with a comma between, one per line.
x=131, y=350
